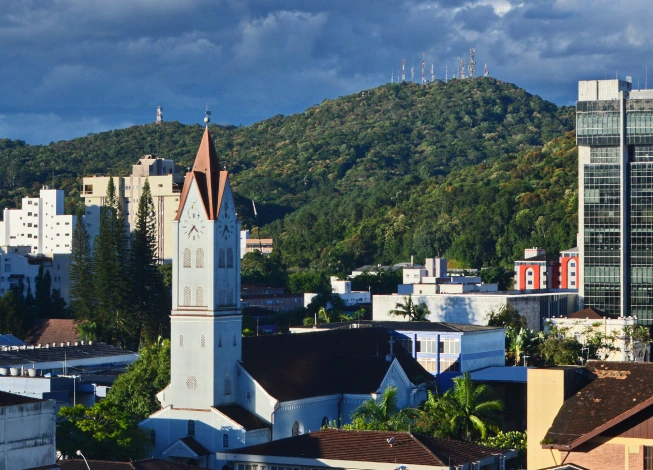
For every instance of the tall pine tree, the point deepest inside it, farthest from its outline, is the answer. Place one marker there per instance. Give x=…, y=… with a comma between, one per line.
x=147, y=287
x=110, y=264
x=81, y=288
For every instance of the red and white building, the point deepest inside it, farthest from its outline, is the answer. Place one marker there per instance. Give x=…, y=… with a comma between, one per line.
x=538, y=271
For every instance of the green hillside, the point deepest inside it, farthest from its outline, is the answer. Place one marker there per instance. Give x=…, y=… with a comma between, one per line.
x=465, y=169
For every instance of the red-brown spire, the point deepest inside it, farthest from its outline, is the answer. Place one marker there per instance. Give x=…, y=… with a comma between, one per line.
x=210, y=180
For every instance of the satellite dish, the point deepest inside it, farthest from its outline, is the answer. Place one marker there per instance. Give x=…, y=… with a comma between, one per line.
x=391, y=441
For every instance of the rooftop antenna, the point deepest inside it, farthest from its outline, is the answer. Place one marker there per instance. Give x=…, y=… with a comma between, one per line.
x=646, y=79
x=207, y=113
x=472, y=63
x=412, y=74
x=403, y=70
x=485, y=71
x=159, y=114
x=446, y=73
x=423, y=77
x=392, y=77
x=432, y=73
x=462, y=69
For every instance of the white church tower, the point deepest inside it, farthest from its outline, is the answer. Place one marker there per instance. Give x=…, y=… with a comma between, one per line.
x=206, y=322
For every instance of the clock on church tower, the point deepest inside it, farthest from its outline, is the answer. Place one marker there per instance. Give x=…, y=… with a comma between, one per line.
x=206, y=321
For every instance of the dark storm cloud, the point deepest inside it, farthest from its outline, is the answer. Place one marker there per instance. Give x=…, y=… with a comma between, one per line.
x=71, y=67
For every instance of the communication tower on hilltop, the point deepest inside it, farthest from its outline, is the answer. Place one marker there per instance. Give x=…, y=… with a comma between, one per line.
x=472, y=63
x=432, y=73
x=485, y=71
x=412, y=74
x=403, y=70
x=423, y=76
x=392, y=77
x=446, y=73
x=159, y=114
x=462, y=68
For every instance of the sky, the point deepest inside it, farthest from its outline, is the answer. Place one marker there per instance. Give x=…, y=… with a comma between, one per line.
x=72, y=67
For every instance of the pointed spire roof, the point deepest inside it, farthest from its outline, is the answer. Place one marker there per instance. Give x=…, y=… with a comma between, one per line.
x=210, y=180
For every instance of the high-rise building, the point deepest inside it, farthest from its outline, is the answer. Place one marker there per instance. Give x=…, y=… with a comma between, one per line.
x=165, y=186
x=614, y=133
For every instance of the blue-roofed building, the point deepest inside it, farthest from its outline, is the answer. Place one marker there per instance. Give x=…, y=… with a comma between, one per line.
x=447, y=350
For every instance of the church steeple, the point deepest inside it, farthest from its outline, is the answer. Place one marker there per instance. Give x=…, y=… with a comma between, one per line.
x=210, y=180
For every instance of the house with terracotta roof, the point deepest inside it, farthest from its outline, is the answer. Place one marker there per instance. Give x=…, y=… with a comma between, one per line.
x=380, y=450
x=621, y=338
x=598, y=417
x=53, y=331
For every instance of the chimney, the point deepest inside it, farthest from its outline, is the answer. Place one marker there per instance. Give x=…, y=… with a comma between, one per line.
x=412, y=262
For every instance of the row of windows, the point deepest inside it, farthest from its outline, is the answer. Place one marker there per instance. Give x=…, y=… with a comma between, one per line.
x=428, y=345
x=203, y=341
x=225, y=296
x=254, y=466
x=446, y=365
x=223, y=261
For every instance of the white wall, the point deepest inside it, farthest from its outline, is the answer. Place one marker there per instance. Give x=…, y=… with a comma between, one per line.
x=27, y=435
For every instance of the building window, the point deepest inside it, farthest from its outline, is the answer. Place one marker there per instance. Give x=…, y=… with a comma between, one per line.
x=199, y=296
x=187, y=295
x=426, y=345
x=227, y=385
x=572, y=264
x=191, y=427
x=406, y=343
x=230, y=257
x=428, y=364
x=153, y=436
x=295, y=429
x=186, y=258
x=530, y=283
x=220, y=341
x=572, y=274
x=648, y=458
x=181, y=341
x=325, y=422
x=448, y=365
x=225, y=441
x=199, y=258
x=221, y=258
x=202, y=341
x=235, y=339
x=449, y=346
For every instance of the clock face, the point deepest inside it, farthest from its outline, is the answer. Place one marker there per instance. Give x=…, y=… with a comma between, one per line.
x=193, y=224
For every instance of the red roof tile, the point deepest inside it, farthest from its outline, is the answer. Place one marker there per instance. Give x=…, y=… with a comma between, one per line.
x=53, y=330
x=373, y=446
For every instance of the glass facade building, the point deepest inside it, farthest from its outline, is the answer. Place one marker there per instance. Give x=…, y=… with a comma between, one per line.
x=614, y=133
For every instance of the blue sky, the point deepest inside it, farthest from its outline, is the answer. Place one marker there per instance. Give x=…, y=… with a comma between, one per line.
x=70, y=67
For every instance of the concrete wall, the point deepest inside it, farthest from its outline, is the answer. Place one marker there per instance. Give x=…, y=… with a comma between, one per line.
x=27, y=435
x=474, y=308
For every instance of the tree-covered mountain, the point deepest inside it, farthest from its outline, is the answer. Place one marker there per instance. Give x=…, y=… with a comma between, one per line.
x=467, y=169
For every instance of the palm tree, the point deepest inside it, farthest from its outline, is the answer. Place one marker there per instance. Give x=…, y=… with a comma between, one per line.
x=467, y=413
x=414, y=312
x=381, y=415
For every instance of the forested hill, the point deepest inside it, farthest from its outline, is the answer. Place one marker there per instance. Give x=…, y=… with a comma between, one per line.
x=456, y=168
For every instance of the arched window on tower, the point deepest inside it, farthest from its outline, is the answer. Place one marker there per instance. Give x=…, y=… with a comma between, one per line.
x=199, y=296
x=221, y=258
x=220, y=341
x=296, y=430
x=225, y=441
x=199, y=258
x=186, y=257
x=230, y=257
x=235, y=340
x=181, y=341
x=187, y=295
x=227, y=385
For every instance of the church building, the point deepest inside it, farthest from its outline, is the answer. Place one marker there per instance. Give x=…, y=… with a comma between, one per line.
x=227, y=391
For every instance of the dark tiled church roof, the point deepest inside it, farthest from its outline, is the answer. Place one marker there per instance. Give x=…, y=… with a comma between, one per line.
x=614, y=392
x=248, y=420
x=148, y=464
x=302, y=365
x=373, y=446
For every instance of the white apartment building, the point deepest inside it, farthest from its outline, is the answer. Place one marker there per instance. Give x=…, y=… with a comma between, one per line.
x=165, y=185
x=39, y=224
x=343, y=290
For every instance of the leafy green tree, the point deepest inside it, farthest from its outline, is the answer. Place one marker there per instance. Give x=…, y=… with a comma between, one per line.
x=560, y=350
x=14, y=317
x=104, y=431
x=81, y=287
x=520, y=343
x=470, y=416
x=135, y=390
x=509, y=440
x=257, y=268
x=378, y=282
x=506, y=316
x=408, y=309
x=309, y=281
x=499, y=275
x=147, y=299
x=381, y=415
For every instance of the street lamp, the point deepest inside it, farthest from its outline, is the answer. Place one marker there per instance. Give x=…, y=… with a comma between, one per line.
x=79, y=452
x=525, y=357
